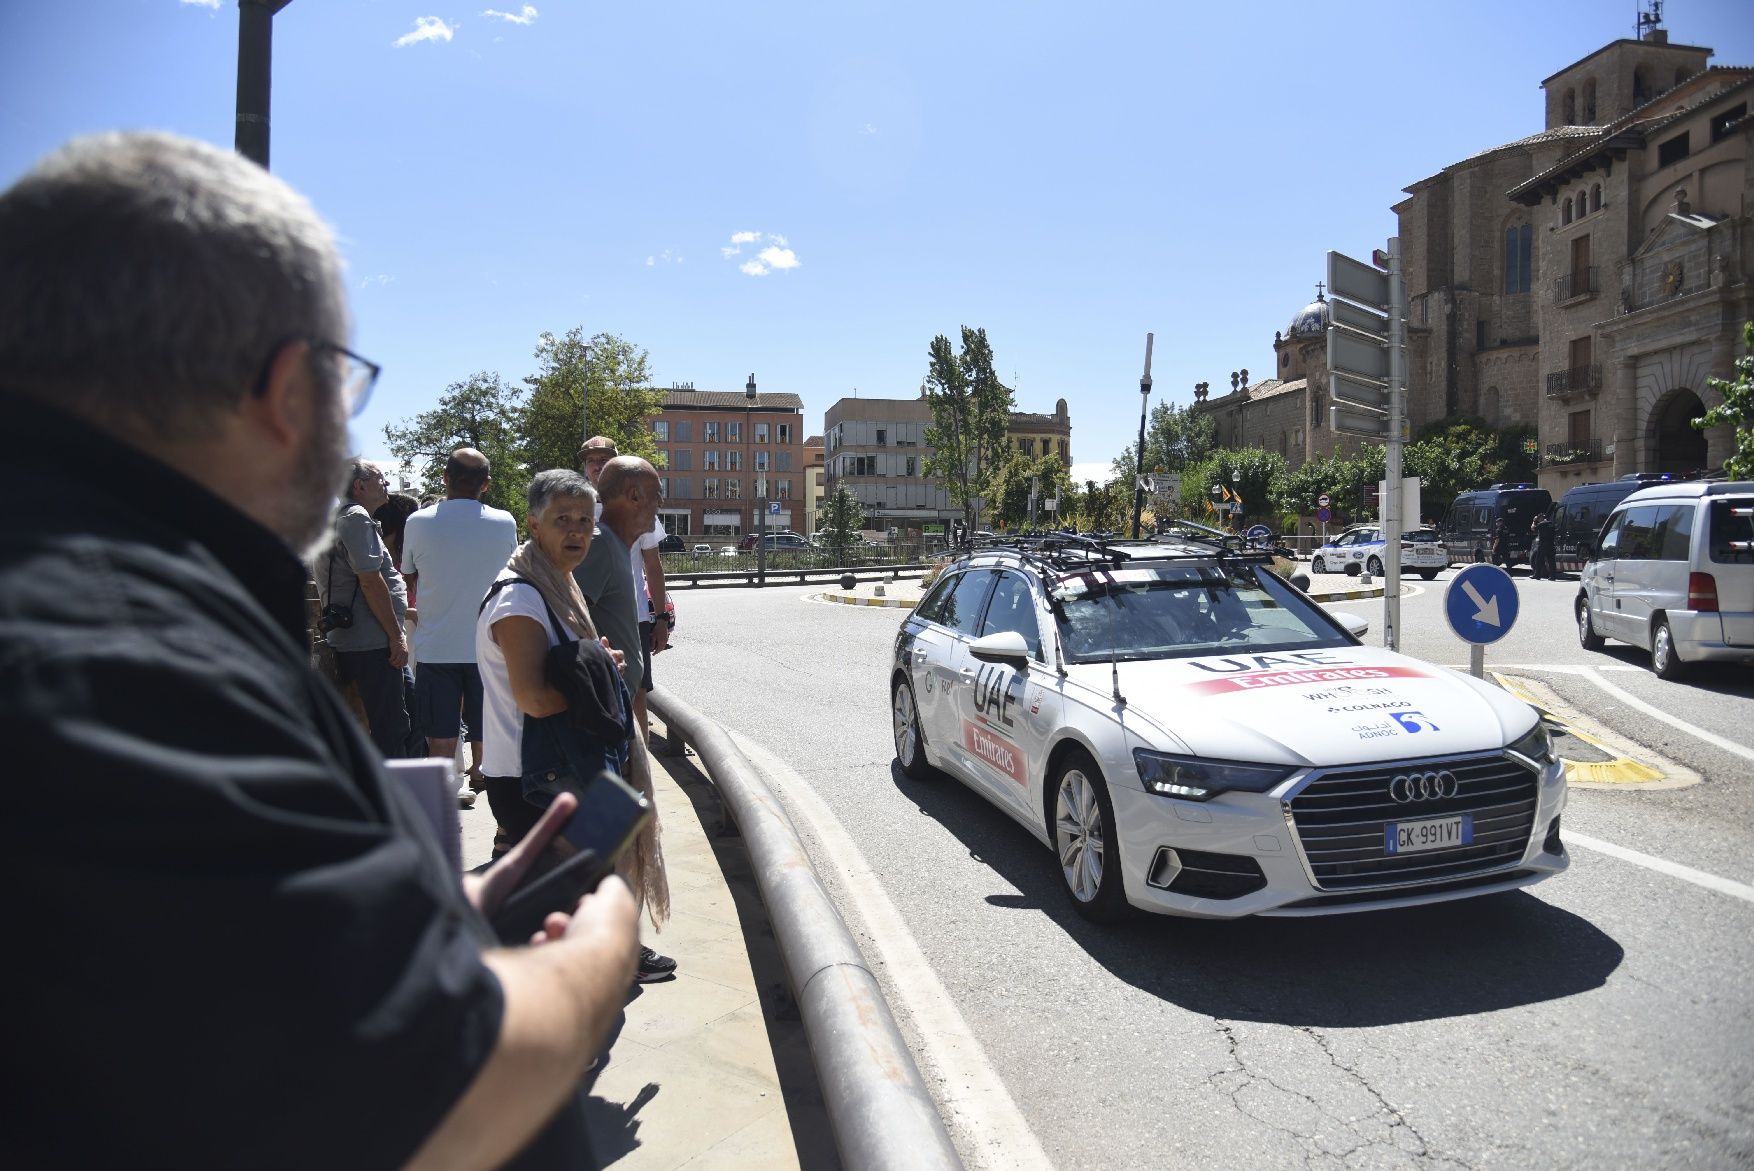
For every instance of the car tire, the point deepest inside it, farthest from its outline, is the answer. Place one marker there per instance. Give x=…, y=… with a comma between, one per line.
x=1374, y=565
x=1317, y=565
x=1586, y=630
x=1350, y=570
x=1663, y=659
x=1081, y=824
x=1428, y=574
x=910, y=746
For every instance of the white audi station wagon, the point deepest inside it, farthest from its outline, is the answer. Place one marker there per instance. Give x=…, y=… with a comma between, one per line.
x=1192, y=735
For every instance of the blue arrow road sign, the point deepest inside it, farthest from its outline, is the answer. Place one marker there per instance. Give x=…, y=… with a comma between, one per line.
x=1481, y=604
x=1258, y=533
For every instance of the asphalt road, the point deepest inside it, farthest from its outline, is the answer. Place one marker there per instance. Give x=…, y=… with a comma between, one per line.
x=1602, y=1019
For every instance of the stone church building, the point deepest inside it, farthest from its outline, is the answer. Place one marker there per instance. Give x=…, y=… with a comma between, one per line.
x=1585, y=280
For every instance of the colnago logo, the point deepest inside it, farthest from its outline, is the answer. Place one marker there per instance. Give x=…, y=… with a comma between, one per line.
x=995, y=750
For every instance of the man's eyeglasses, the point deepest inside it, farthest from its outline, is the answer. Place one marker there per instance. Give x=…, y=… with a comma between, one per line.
x=357, y=375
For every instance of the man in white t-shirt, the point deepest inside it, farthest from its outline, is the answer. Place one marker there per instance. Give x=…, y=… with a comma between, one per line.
x=651, y=598
x=451, y=552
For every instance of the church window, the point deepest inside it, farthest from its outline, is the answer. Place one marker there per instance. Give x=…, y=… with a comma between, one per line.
x=1641, y=86
x=1565, y=211
x=1589, y=102
x=1519, y=246
x=1596, y=197
x=1568, y=112
x=1721, y=124
x=1673, y=151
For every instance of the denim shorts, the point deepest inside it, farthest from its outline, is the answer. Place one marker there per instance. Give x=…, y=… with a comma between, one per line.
x=444, y=694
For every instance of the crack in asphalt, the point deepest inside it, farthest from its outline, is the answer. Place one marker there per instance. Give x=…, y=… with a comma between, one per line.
x=1319, y=1148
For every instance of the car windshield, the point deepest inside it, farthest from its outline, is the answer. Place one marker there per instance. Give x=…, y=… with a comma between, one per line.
x=1732, y=530
x=1420, y=536
x=1181, y=610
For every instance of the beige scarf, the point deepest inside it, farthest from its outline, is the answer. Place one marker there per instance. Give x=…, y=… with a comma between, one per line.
x=643, y=864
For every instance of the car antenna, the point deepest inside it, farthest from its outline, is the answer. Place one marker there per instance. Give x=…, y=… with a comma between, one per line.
x=1114, y=662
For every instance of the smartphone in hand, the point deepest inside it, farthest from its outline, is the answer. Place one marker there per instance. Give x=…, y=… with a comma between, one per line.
x=610, y=815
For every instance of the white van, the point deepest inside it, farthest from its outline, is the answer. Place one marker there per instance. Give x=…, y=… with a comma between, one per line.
x=1674, y=572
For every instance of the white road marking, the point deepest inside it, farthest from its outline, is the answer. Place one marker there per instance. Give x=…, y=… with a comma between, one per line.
x=1728, y=886
x=1630, y=700
x=974, y=1098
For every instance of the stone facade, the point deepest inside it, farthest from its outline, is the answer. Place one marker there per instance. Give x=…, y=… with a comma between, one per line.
x=1585, y=281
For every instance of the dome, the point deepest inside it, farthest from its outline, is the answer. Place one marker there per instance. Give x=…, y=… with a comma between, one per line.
x=1311, y=320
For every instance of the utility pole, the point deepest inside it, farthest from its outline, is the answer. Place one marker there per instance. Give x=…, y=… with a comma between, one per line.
x=1392, y=505
x=1139, y=453
x=255, y=76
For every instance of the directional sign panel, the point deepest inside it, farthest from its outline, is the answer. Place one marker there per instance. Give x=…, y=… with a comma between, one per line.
x=1365, y=320
x=1481, y=604
x=1357, y=281
x=1357, y=393
x=1358, y=354
x=1350, y=421
x=1258, y=533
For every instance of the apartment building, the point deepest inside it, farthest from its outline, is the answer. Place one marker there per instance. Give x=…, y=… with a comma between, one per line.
x=725, y=452
x=815, y=481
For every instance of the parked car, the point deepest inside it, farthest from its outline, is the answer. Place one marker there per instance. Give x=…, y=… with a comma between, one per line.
x=672, y=544
x=1467, y=526
x=728, y=550
x=1192, y=736
x=783, y=539
x=1362, y=548
x=1674, y=573
x=702, y=551
x=1577, y=522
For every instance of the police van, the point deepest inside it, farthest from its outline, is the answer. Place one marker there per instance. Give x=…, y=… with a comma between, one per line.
x=1467, y=527
x=1577, y=524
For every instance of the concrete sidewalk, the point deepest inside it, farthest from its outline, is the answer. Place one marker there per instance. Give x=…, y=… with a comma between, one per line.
x=710, y=1069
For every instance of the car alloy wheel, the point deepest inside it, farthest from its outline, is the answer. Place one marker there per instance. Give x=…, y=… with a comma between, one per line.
x=1374, y=565
x=1085, y=841
x=1318, y=566
x=1586, y=630
x=905, y=719
x=1663, y=659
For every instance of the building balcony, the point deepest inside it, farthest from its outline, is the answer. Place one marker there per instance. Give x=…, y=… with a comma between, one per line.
x=1556, y=454
x=1578, y=380
x=1575, y=285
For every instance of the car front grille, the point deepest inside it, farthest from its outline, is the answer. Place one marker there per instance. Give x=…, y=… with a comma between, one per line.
x=1338, y=818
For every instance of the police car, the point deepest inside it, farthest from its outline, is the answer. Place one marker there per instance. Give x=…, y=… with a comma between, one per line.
x=1361, y=548
x=1191, y=735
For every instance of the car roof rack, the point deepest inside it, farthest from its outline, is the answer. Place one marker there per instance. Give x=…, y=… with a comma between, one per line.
x=1061, y=552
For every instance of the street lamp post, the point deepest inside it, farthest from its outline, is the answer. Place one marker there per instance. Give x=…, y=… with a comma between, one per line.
x=255, y=76
x=1236, y=505
x=759, y=504
x=1139, y=455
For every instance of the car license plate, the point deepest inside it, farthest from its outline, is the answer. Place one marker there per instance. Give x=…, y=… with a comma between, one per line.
x=1410, y=837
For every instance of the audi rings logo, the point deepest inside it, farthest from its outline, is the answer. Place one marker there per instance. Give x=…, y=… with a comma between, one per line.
x=1410, y=787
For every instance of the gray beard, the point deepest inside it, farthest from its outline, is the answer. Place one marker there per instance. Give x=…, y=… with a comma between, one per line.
x=308, y=508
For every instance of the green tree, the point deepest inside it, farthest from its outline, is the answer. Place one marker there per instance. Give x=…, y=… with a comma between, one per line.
x=484, y=412
x=1175, y=437
x=612, y=379
x=842, y=522
x=1737, y=410
x=1452, y=457
x=1015, y=476
x=1254, y=473
x=971, y=411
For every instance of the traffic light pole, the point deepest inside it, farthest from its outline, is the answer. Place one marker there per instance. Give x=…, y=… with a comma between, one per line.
x=1392, y=520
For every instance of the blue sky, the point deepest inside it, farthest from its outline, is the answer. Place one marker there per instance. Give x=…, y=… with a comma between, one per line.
x=1068, y=177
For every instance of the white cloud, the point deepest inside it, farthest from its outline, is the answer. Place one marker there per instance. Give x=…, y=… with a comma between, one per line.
x=383, y=278
x=524, y=16
x=753, y=268
x=778, y=257
x=745, y=237
x=202, y=3
x=426, y=28
x=868, y=130
x=776, y=238
x=650, y=261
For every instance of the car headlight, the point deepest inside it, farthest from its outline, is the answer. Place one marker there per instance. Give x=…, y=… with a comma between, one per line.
x=1195, y=778
x=1537, y=745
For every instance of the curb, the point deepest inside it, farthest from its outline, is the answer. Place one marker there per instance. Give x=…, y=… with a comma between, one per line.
x=1621, y=771
x=856, y=600
x=1347, y=595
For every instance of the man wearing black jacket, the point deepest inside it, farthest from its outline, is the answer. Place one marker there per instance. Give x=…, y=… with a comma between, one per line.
x=244, y=947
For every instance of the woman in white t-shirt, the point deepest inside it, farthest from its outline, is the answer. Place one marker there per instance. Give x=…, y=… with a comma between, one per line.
x=513, y=634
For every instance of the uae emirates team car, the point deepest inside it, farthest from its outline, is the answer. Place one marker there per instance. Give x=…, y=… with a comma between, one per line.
x=1194, y=736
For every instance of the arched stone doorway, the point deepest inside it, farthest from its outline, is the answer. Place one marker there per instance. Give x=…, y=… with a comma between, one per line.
x=1676, y=446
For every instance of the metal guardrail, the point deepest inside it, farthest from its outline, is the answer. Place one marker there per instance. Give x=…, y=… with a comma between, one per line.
x=883, y=1117
x=751, y=576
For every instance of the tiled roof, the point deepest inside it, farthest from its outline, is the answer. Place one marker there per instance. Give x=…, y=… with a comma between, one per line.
x=1629, y=132
x=729, y=400
x=1556, y=134
x=814, y=441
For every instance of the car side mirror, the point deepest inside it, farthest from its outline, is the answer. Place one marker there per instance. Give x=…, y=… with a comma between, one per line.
x=1356, y=625
x=1003, y=646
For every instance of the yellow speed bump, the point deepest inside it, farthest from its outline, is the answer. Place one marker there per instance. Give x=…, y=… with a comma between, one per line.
x=1619, y=770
